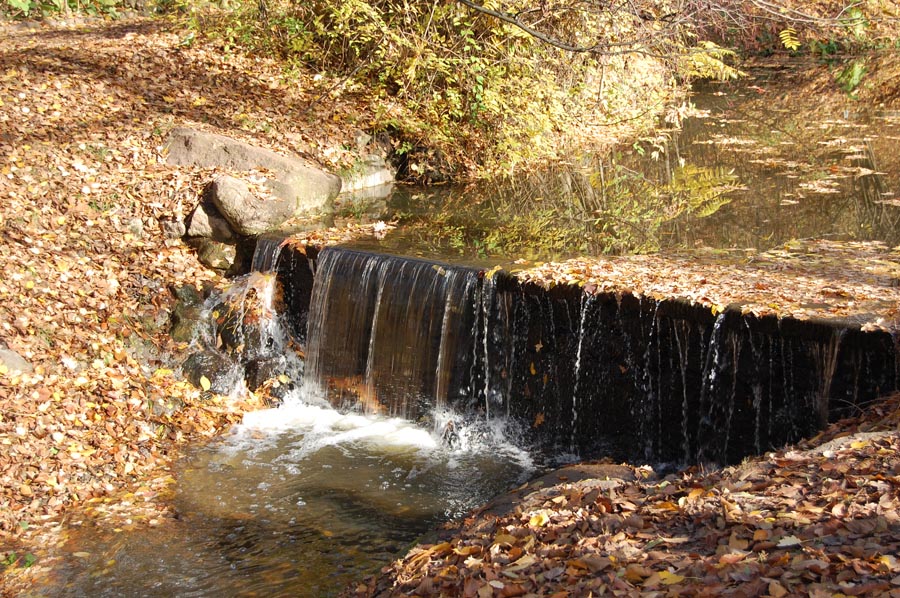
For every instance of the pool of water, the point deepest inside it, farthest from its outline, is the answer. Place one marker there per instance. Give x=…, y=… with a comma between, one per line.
x=299, y=501
x=754, y=163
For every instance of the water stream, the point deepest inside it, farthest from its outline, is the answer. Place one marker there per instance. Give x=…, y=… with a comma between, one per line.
x=364, y=455
x=298, y=501
x=403, y=417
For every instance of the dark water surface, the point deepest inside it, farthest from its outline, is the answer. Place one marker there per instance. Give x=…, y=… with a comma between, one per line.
x=757, y=163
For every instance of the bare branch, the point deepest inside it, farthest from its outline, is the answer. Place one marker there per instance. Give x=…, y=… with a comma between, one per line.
x=632, y=46
x=514, y=20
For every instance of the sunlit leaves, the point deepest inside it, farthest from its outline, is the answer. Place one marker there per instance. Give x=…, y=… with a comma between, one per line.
x=707, y=61
x=84, y=296
x=766, y=527
x=789, y=39
x=539, y=519
x=803, y=279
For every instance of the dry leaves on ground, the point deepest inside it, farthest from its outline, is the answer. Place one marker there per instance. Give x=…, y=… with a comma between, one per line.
x=857, y=281
x=818, y=519
x=87, y=268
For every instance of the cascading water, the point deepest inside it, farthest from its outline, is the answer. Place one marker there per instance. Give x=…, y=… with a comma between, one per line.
x=302, y=499
x=283, y=505
x=386, y=334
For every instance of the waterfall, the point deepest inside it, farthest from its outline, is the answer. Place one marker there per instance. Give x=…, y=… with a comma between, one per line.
x=589, y=375
x=266, y=253
x=388, y=334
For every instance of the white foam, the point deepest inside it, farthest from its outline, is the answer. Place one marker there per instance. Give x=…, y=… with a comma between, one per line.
x=317, y=425
x=324, y=426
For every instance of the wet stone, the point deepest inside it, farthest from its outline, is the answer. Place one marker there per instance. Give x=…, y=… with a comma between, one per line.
x=187, y=294
x=218, y=256
x=258, y=371
x=239, y=331
x=187, y=323
x=222, y=372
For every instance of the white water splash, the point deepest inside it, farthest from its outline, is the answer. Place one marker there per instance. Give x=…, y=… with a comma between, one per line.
x=452, y=439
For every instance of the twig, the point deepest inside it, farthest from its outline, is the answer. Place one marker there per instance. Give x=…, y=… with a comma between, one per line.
x=319, y=98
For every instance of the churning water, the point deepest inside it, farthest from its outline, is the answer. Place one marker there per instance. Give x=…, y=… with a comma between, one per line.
x=300, y=501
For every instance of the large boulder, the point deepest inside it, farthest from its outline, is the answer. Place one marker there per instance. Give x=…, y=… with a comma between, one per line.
x=248, y=214
x=305, y=186
x=369, y=171
x=207, y=221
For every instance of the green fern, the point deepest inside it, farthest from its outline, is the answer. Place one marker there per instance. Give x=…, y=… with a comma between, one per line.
x=702, y=191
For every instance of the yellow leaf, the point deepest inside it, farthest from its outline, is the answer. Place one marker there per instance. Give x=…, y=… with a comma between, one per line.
x=696, y=493
x=858, y=444
x=201, y=101
x=169, y=99
x=668, y=578
x=490, y=273
x=205, y=384
x=789, y=38
x=162, y=373
x=4, y=369
x=539, y=519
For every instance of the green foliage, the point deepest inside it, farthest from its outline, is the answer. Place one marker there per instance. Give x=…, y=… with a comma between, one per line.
x=13, y=559
x=706, y=60
x=825, y=48
x=41, y=8
x=851, y=75
x=855, y=22
x=451, y=74
x=31, y=8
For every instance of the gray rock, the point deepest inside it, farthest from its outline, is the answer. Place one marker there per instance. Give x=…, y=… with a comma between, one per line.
x=207, y=221
x=223, y=373
x=187, y=323
x=172, y=229
x=218, y=256
x=369, y=171
x=187, y=294
x=14, y=362
x=362, y=140
x=304, y=185
x=248, y=215
x=136, y=227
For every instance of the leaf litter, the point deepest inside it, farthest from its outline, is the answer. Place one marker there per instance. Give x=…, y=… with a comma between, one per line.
x=85, y=294
x=816, y=519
